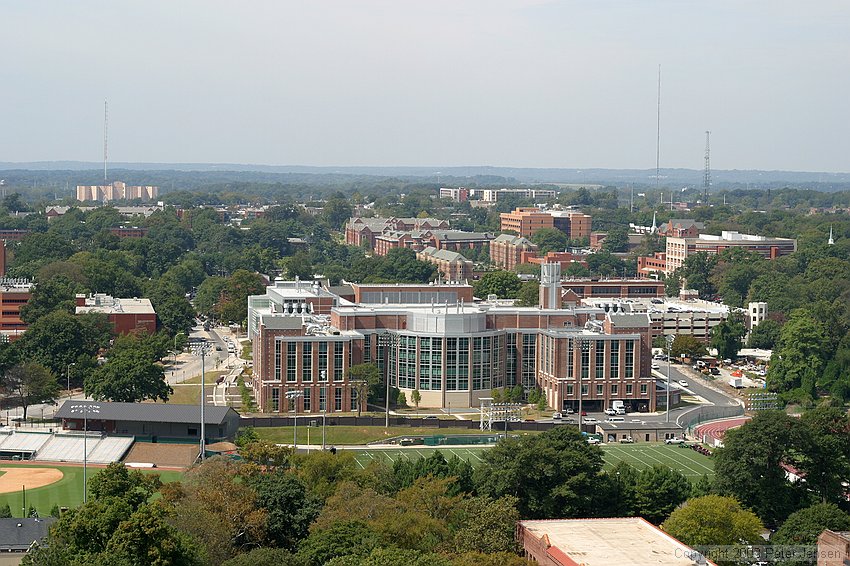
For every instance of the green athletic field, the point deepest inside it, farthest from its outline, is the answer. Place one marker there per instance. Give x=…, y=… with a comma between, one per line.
x=640, y=456
x=67, y=492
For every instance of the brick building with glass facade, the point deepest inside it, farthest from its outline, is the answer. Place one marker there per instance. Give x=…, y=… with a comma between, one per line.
x=454, y=354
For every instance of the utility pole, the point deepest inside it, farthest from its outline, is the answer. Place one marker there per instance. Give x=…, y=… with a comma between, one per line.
x=658, y=133
x=706, y=176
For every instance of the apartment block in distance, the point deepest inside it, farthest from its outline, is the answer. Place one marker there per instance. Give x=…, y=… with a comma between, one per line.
x=525, y=221
x=454, y=353
x=508, y=251
x=576, y=225
x=678, y=249
x=460, y=194
x=14, y=293
x=118, y=190
x=126, y=315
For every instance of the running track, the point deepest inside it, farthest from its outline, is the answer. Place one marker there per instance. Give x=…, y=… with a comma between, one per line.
x=717, y=429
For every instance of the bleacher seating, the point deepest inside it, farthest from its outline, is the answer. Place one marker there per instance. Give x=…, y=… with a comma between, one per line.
x=110, y=449
x=23, y=442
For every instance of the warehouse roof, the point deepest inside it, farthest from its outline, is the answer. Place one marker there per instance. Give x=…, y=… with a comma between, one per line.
x=144, y=412
x=17, y=535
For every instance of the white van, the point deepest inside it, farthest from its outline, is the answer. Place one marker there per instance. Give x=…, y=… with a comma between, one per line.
x=616, y=420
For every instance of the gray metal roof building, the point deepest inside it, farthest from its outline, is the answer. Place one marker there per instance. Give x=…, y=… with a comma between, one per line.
x=18, y=535
x=150, y=419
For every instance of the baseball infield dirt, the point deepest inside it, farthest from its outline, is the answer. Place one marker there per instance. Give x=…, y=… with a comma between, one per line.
x=13, y=478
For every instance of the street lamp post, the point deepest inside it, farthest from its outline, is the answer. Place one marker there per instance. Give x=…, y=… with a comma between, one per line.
x=201, y=350
x=85, y=409
x=669, y=339
x=294, y=395
x=175, y=345
x=68, y=375
x=323, y=429
x=389, y=341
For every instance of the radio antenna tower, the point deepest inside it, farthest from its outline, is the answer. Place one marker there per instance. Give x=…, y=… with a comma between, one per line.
x=706, y=176
x=105, y=136
x=658, y=133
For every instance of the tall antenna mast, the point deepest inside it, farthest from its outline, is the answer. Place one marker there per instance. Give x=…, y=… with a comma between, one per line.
x=706, y=176
x=105, y=137
x=658, y=133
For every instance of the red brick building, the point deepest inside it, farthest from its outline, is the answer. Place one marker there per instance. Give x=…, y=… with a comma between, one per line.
x=363, y=231
x=14, y=293
x=129, y=231
x=525, y=221
x=454, y=354
x=652, y=267
x=126, y=315
x=508, y=251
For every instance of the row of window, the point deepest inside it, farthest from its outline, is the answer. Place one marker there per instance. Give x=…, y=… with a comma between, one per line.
x=614, y=389
x=289, y=364
x=305, y=400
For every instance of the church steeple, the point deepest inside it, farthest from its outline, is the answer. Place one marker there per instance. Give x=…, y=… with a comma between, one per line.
x=831, y=241
x=654, y=228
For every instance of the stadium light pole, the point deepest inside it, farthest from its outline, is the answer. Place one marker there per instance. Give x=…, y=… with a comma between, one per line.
x=583, y=346
x=669, y=339
x=201, y=350
x=294, y=395
x=68, y=375
x=85, y=408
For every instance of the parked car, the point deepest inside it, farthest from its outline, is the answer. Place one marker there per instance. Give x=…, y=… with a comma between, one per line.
x=429, y=417
x=592, y=440
x=610, y=412
x=570, y=410
x=683, y=383
x=674, y=441
x=656, y=366
x=584, y=413
x=557, y=416
x=627, y=440
x=589, y=420
x=714, y=371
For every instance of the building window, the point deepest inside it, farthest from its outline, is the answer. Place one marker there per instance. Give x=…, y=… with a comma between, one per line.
x=600, y=359
x=338, y=350
x=497, y=371
x=354, y=400
x=307, y=361
x=529, y=361
x=570, y=389
x=585, y=360
x=584, y=389
x=615, y=359
x=323, y=361
x=630, y=359
x=291, y=361
x=323, y=399
x=510, y=361
x=570, y=360
x=337, y=398
x=481, y=363
x=643, y=388
x=278, y=362
x=307, y=406
x=367, y=349
x=629, y=388
x=599, y=390
x=275, y=400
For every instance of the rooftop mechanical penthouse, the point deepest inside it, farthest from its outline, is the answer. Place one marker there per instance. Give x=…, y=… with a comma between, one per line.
x=430, y=338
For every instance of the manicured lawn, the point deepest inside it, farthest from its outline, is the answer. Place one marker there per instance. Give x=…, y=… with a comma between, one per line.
x=67, y=492
x=640, y=456
x=347, y=435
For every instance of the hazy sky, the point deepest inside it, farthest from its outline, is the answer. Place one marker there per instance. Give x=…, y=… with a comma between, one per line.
x=429, y=82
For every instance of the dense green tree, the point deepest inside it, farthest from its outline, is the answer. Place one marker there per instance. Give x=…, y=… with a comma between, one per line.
x=289, y=507
x=658, y=491
x=30, y=383
x=503, y=284
x=714, y=520
x=529, y=294
x=118, y=481
x=765, y=335
x=129, y=376
x=550, y=240
x=486, y=525
x=823, y=452
x=59, y=338
x=408, y=471
x=726, y=338
x=798, y=358
x=748, y=467
x=53, y=294
x=687, y=345
x=696, y=271
x=341, y=539
x=606, y=264
x=337, y=211
x=617, y=240
x=804, y=526
x=266, y=556
x=209, y=294
x=146, y=538
x=553, y=474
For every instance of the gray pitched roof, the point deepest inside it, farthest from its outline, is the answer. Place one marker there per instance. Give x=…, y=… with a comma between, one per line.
x=17, y=535
x=146, y=412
